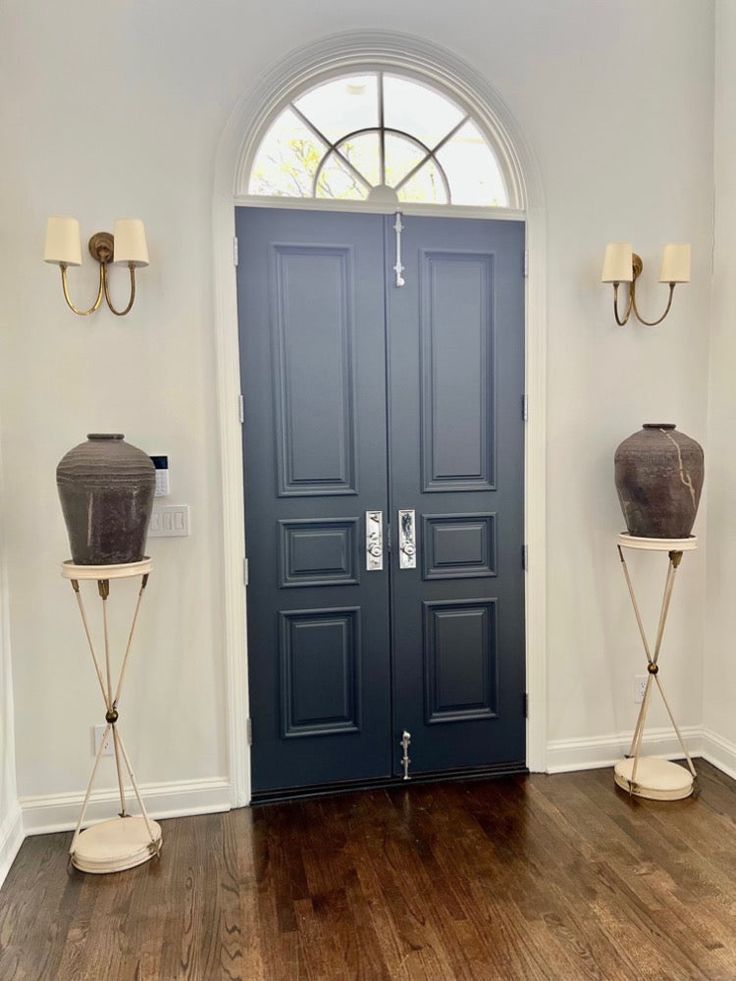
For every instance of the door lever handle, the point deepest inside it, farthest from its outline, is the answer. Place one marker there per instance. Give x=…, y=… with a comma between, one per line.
x=374, y=541
x=407, y=539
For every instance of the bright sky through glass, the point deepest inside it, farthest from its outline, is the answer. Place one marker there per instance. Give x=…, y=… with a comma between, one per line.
x=354, y=134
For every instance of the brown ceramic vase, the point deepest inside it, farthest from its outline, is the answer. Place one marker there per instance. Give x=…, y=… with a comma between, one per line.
x=106, y=488
x=659, y=477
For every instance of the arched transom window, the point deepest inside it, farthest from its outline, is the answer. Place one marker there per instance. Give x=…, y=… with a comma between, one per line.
x=379, y=137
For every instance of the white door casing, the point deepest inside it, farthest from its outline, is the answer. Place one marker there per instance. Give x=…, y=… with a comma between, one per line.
x=334, y=55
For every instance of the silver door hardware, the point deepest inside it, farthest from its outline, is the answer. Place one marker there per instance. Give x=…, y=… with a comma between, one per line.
x=405, y=761
x=525, y=408
x=407, y=540
x=525, y=557
x=398, y=268
x=236, y=252
x=374, y=541
x=241, y=408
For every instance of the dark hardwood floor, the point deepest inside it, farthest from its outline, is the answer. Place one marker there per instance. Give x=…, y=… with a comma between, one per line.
x=560, y=877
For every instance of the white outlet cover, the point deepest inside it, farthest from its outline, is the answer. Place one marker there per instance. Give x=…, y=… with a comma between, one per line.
x=97, y=734
x=640, y=683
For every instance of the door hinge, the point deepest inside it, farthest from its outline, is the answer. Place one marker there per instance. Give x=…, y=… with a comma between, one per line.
x=526, y=262
x=246, y=572
x=525, y=557
x=249, y=731
x=241, y=408
x=525, y=408
x=388, y=539
x=235, y=250
x=526, y=705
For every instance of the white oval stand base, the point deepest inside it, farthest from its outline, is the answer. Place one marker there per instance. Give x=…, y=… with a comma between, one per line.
x=655, y=779
x=116, y=845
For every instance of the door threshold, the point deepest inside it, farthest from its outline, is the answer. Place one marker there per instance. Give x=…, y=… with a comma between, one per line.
x=491, y=771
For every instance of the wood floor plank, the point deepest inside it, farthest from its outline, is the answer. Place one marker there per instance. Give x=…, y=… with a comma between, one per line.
x=540, y=878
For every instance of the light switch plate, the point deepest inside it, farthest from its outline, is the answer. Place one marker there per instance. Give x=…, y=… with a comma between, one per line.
x=169, y=521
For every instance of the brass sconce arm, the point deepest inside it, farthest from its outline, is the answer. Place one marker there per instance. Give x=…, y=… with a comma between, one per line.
x=131, y=301
x=622, y=321
x=652, y=323
x=65, y=288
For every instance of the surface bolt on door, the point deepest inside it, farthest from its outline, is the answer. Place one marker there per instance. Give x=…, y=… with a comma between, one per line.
x=405, y=759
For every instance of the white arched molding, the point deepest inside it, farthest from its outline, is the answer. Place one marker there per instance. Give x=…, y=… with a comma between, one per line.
x=308, y=66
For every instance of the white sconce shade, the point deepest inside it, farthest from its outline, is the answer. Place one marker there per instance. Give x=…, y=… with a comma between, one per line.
x=675, y=264
x=618, y=263
x=129, y=242
x=63, y=245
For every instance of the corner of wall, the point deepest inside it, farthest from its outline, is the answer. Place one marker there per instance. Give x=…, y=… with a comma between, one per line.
x=11, y=817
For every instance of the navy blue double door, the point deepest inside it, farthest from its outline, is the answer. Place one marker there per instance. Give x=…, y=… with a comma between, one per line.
x=383, y=458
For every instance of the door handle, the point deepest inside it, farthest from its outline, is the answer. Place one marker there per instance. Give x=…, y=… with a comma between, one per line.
x=407, y=540
x=374, y=541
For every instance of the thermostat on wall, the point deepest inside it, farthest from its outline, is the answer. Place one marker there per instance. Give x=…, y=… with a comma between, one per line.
x=161, y=463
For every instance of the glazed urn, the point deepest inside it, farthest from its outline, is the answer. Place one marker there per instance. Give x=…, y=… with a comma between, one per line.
x=659, y=477
x=106, y=488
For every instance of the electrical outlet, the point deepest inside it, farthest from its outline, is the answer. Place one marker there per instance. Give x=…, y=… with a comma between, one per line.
x=97, y=734
x=640, y=684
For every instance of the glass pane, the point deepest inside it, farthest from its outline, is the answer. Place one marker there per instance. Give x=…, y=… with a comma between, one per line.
x=401, y=156
x=426, y=186
x=472, y=169
x=338, y=181
x=341, y=106
x=363, y=152
x=287, y=160
x=415, y=109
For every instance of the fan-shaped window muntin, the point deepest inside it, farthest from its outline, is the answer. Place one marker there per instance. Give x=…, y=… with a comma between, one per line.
x=341, y=140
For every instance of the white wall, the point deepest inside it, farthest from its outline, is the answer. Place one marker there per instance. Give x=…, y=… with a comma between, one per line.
x=720, y=660
x=115, y=109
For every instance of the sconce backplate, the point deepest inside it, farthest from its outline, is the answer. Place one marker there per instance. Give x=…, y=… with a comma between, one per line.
x=101, y=247
x=636, y=263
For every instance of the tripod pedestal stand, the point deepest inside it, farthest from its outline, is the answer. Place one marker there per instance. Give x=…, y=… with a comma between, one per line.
x=125, y=841
x=641, y=775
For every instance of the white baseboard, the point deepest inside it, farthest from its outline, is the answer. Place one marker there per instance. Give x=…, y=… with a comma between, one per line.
x=59, y=812
x=565, y=755
x=11, y=838
x=720, y=752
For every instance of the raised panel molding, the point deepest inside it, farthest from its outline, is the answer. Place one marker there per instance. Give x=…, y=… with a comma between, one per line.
x=456, y=336
x=313, y=340
x=318, y=552
x=460, y=665
x=459, y=546
x=320, y=654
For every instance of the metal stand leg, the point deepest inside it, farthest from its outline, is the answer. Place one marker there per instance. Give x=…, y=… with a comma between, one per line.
x=675, y=557
x=111, y=695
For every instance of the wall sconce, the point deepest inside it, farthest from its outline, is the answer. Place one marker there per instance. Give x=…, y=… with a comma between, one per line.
x=126, y=246
x=622, y=265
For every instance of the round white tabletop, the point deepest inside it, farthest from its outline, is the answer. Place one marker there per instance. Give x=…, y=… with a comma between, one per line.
x=71, y=571
x=625, y=540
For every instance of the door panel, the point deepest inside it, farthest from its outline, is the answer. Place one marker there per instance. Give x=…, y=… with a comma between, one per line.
x=311, y=308
x=456, y=356
x=383, y=451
